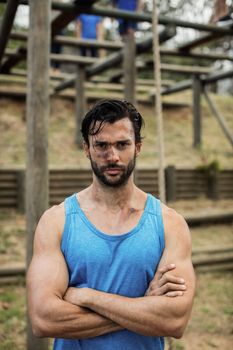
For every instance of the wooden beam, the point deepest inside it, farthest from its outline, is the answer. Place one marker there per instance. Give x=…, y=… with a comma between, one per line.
x=203, y=39
x=219, y=117
x=7, y=23
x=187, y=84
x=184, y=69
x=195, y=54
x=197, y=87
x=212, y=78
x=37, y=182
x=181, y=86
x=14, y=55
x=74, y=42
x=99, y=44
x=71, y=59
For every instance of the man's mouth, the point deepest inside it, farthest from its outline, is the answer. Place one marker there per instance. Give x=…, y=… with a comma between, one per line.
x=113, y=171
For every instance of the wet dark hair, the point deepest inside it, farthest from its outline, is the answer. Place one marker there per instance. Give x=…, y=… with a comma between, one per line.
x=110, y=111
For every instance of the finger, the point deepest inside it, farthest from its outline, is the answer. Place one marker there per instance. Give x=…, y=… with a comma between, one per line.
x=171, y=287
x=170, y=278
x=167, y=288
x=166, y=268
x=174, y=294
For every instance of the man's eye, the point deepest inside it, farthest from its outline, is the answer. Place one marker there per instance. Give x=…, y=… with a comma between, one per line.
x=122, y=145
x=102, y=146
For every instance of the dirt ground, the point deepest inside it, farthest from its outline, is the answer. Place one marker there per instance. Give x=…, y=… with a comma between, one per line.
x=63, y=150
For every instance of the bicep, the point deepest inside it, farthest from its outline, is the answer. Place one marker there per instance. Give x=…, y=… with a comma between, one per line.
x=47, y=274
x=178, y=251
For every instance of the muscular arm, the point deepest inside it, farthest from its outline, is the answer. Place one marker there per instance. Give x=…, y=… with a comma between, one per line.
x=151, y=315
x=47, y=282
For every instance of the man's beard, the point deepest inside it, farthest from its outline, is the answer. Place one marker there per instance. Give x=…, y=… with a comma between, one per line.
x=114, y=181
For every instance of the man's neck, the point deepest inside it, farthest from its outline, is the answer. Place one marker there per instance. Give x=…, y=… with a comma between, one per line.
x=114, y=197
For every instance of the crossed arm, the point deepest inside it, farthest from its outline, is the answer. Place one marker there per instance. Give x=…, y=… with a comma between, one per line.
x=56, y=311
x=47, y=282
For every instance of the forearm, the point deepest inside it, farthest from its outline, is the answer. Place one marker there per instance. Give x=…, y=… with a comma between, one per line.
x=60, y=319
x=150, y=316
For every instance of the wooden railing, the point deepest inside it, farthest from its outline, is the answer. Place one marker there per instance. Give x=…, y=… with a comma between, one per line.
x=180, y=184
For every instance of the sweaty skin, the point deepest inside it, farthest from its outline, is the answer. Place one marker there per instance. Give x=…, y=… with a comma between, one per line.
x=62, y=312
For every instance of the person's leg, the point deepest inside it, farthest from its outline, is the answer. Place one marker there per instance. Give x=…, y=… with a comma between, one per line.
x=83, y=51
x=56, y=48
x=122, y=26
x=94, y=52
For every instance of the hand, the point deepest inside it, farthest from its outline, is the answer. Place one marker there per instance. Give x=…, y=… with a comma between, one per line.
x=166, y=284
x=75, y=295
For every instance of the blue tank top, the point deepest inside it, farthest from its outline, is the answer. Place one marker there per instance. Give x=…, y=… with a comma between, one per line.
x=122, y=264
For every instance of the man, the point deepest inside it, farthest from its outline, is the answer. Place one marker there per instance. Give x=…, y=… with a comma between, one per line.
x=102, y=275
x=89, y=27
x=127, y=26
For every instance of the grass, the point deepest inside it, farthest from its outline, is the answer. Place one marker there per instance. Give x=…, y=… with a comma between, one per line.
x=12, y=237
x=12, y=318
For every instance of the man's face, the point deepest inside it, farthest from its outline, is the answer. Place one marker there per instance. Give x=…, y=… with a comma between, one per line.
x=113, y=152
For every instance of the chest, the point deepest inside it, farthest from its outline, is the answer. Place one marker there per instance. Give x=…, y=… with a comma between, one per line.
x=123, y=264
x=119, y=222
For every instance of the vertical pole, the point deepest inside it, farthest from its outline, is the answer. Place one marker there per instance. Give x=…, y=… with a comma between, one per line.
x=21, y=191
x=37, y=130
x=158, y=104
x=80, y=101
x=196, y=111
x=170, y=175
x=129, y=67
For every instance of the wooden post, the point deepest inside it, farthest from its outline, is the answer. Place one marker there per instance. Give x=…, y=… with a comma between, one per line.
x=213, y=185
x=129, y=67
x=219, y=117
x=37, y=130
x=158, y=105
x=197, y=86
x=170, y=175
x=21, y=191
x=80, y=101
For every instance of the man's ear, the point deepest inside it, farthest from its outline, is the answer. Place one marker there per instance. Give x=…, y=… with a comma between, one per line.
x=86, y=149
x=138, y=148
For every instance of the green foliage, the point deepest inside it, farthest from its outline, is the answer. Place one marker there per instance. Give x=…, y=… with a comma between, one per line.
x=211, y=168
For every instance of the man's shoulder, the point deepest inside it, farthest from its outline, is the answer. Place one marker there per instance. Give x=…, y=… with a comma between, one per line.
x=171, y=215
x=54, y=211
x=54, y=216
x=174, y=223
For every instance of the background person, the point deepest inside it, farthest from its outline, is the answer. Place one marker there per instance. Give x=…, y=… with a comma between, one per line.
x=89, y=27
x=127, y=26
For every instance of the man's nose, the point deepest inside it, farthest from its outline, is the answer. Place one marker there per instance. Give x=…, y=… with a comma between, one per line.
x=113, y=154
